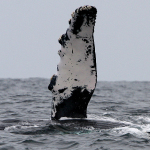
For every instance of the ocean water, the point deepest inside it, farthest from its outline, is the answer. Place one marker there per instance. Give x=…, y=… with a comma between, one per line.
x=118, y=118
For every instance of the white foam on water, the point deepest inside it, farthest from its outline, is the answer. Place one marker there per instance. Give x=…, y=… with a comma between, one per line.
x=102, y=118
x=142, y=119
x=16, y=128
x=146, y=128
x=138, y=129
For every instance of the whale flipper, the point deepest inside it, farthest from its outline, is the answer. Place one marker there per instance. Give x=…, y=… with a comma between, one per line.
x=76, y=77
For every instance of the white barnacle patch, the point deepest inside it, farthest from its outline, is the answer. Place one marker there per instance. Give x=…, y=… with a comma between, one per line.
x=76, y=77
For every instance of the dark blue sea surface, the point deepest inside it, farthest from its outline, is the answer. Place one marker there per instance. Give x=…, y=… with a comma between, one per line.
x=118, y=118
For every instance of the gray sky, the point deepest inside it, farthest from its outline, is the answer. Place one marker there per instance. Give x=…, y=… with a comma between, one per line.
x=29, y=32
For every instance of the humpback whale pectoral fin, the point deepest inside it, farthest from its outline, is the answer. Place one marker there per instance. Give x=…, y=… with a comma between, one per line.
x=52, y=82
x=76, y=78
